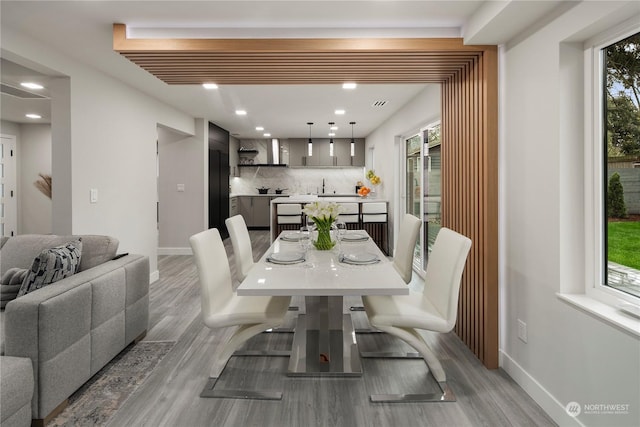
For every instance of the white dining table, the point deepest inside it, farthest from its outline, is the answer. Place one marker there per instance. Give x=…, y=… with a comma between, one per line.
x=324, y=342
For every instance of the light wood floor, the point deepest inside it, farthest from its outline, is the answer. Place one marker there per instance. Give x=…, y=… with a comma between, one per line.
x=170, y=396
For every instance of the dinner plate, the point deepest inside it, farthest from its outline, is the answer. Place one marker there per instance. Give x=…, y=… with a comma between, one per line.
x=360, y=258
x=286, y=257
x=355, y=237
x=291, y=237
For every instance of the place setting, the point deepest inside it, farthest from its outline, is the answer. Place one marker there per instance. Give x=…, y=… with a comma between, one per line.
x=286, y=258
x=359, y=258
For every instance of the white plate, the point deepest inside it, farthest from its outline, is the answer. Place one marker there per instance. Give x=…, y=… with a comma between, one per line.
x=355, y=237
x=291, y=237
x=286, y=257
x=360, y=258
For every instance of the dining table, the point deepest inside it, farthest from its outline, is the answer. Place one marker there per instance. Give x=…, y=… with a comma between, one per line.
x=324, y=341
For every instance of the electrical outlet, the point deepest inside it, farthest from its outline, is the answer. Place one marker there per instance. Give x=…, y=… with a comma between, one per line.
x=93, y=195
x=522, y=331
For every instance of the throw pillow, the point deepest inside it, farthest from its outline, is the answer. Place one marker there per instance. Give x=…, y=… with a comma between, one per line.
x=10, y=284
x=52, y=265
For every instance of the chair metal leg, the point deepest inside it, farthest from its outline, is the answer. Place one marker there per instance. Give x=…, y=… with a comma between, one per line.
x=209, y=391
x=390, y=355
x=446, y=395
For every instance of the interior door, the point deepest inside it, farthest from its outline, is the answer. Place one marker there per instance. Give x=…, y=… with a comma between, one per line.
x=8, y=196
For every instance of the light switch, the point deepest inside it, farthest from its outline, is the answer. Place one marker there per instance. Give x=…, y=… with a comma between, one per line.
x=180, y=187
x=93, y=197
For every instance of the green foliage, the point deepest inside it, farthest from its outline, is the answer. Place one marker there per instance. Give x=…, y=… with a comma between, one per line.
x=624, y=243
x=623, y=97
x=615, y=198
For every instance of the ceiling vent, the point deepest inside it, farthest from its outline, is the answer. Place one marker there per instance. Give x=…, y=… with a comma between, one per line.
x=19, y=93
x=379, y=104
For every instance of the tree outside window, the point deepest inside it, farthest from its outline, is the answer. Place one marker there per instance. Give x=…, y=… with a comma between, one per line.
x=621, y=144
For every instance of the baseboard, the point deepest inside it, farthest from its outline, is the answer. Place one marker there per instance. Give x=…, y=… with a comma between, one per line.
x=175, y=251
x=154, y=276
x=554, y=408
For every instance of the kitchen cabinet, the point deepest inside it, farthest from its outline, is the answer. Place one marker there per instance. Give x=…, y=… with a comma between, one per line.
x=233, y=206
x=298, y=150
x=255, y=210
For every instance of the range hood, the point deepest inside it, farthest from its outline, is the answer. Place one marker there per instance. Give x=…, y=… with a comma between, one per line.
x=264, y=152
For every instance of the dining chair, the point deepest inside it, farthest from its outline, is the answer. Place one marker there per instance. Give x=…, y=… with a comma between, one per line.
x=242, y=251
x=222, y=308
x=241, y=243
x=288, y=217
x=433, y=309
x=403, y=256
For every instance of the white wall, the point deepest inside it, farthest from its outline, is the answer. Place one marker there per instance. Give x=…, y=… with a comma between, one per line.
x=35, y=158
x=570, y=356
x=420, y=111
x=181, y=212
x=112, y=146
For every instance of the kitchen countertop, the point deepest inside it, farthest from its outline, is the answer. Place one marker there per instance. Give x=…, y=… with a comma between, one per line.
x=303, y=198
x=259, y=195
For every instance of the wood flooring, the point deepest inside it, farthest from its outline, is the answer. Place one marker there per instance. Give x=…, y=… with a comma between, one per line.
x=170, y=396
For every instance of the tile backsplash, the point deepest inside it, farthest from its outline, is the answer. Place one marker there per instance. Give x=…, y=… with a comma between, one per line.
x=297, y=180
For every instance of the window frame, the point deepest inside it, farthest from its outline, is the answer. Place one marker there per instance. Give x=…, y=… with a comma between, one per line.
x=595, y=167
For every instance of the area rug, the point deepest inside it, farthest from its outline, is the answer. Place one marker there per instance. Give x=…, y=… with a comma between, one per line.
x=97, y=400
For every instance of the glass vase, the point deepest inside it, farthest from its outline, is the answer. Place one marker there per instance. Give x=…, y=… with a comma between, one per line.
x=325, y=237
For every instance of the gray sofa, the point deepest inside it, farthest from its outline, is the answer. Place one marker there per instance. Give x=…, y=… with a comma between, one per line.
x=71, y=328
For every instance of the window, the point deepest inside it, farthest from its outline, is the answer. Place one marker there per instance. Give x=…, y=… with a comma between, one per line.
x=620, y=142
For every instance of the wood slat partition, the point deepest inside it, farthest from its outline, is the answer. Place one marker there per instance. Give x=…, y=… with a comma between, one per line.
x=470, y=196
x=468, y=75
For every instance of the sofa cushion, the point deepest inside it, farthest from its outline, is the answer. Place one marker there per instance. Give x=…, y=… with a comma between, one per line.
x=10, y=284
x=52, y=265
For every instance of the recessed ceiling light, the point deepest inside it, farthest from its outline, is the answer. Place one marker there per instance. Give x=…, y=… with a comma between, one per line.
x=266, y=135
x=332, y=134
x=349, y=85
x=259, y=128
x=339, y=112
x=333, y=128
x=210, y=86
x=31, y=85
x=241, y=112
x=33, y=116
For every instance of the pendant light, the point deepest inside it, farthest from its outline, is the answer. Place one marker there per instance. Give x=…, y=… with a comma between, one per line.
x=310, y=144
x=353, y=142
x=331, y=133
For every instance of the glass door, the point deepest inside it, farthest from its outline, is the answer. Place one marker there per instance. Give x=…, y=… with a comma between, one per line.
x=414, y=186
x=433, y=187
x=423, y=190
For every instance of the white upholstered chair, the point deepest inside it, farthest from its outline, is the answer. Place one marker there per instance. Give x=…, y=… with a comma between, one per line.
x=433, y=309
x=405, y=246
x=403, y=256
x=242, y=251
x=241, y=243
x=222, y=308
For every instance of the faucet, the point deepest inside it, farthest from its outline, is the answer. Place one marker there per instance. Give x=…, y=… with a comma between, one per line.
x=322, y=185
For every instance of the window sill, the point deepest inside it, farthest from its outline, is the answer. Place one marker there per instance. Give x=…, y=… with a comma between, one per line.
x=610, y=314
